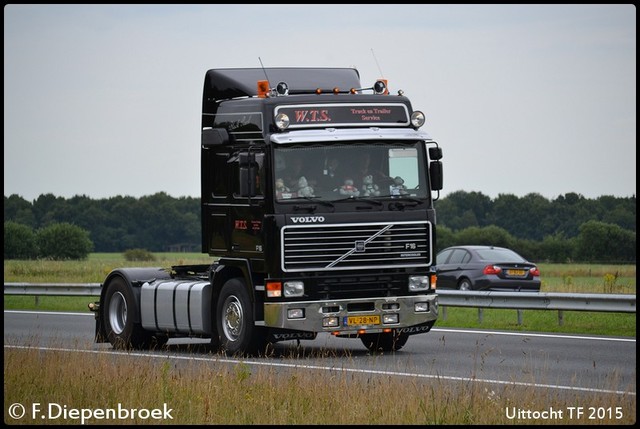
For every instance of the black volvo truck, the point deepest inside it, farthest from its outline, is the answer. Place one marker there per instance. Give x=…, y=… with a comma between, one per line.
x=318, y=212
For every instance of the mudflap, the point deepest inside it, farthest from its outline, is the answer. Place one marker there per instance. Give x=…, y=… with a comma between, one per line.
x=100, y=336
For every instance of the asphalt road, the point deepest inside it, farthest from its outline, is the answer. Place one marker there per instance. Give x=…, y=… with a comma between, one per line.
x=548, y=361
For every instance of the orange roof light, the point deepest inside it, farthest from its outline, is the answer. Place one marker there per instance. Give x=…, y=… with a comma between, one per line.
x=263, y=88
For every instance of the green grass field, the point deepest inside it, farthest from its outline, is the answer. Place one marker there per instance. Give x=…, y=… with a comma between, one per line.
x=209, y=392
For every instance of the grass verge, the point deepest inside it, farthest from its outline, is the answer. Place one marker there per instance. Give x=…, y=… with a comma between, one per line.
x=213, y=392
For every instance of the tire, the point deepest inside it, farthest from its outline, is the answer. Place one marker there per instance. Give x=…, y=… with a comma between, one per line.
x=464, y=284
x=235, y=321
x=384, y=342
x=118, y=317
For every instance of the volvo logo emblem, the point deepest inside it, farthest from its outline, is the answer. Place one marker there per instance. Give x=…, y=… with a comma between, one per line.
x=307, y=219
x=359, y=246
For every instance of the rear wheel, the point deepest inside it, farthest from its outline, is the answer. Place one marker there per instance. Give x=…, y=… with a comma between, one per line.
x=384, y=342
x=118, y=319
x=464, y=284
x=235, y=321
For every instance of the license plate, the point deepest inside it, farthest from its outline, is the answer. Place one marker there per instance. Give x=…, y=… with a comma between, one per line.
x=363, y=320
x=515, y=272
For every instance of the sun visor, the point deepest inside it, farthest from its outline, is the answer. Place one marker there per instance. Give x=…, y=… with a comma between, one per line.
x=221, y=84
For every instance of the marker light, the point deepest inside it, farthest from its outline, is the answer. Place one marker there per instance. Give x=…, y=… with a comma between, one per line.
x=274, y=289
x=417, y=119
x=263, y=88
x=282, y=121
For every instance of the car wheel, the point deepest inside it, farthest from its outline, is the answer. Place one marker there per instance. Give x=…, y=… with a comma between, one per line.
x=235, y=321
x=464, y=284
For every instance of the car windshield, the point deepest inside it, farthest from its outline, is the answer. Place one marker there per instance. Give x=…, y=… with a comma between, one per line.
x=354, y=170
x=499, y=255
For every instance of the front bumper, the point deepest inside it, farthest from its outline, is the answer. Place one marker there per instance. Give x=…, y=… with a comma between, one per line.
x=315, y=312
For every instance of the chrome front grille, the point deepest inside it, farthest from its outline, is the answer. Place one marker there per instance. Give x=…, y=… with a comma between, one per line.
x=356, y=246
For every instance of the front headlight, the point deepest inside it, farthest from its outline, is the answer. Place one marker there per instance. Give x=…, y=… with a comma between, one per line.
x=282, y=121
x=418, y=283
x=417, y=119
x=293, y=289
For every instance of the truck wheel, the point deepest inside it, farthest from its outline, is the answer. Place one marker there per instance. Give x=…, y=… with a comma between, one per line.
x=384, y=342
x=235, y=320
x=118, y=315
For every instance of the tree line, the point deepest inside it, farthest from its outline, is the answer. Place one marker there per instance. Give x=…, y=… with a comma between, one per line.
x=568, y=228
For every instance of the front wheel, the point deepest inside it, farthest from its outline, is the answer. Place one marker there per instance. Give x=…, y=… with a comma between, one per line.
x=384, y=342
x=235, y=321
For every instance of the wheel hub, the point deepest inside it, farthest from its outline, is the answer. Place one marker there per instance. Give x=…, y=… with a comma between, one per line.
x=233, y=317
x=117, y=313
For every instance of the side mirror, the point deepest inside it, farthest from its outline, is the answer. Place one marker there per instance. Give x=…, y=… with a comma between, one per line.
x=435, y=153
x=435, y=175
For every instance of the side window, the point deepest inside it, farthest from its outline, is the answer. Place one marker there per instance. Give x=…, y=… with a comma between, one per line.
x=220, y=172
x=441, y=258
x=457, y=257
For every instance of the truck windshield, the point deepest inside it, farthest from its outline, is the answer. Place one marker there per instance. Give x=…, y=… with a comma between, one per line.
x=339, y=171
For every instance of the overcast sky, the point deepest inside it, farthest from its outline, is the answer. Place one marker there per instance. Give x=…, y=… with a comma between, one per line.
x=104, y=100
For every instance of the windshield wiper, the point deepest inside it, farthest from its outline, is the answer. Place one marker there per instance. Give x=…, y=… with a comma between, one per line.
x=311, y=200
x=365, y=199
x=400, y=202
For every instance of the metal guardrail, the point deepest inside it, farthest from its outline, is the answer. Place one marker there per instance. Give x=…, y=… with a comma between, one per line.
x=599, y=302
x=619, y=303
x=53, y=289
